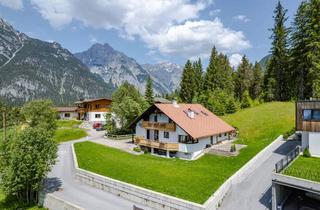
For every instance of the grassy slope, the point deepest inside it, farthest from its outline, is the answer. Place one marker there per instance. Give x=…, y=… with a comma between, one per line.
x=66, y=131
x=305, y=168
x=191, y=180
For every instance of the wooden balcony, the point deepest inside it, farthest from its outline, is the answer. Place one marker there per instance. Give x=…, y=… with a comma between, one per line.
x=159, y=126
x=156, y=144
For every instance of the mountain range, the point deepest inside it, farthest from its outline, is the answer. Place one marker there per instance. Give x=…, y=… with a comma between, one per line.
x=32, y=69
x=115, y=67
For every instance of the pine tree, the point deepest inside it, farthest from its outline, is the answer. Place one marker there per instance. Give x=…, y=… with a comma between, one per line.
x=211, y=79
x=313, y=45
x=299, y=64
x=187, y=84
x=256, y=86
x=149, y=92
x=278, y=65
x=219, y=73
x=243, y=78
x=197, y=66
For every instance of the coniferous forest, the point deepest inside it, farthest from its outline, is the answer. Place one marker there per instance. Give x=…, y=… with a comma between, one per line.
x=292, y=71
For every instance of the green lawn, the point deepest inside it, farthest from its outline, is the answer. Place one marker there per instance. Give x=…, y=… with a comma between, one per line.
x=10, y=203
x=68, y=123
x=191, y=180
x=67, y=130
x=305, y=168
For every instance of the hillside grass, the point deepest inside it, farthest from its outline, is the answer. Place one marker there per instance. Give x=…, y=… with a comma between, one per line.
x=305, y=168
x=191, y=180
x=68, y=130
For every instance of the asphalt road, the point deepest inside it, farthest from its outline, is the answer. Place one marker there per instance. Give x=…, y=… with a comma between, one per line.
x=254, y=192
x=62, y=184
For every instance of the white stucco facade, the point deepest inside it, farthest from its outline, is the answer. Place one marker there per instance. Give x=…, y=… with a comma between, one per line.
x=311, y=140
x=96, y=116
x=68, y=115
x=186, y=151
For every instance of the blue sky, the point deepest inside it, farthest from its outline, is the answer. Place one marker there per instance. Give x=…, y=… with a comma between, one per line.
x=151, y=31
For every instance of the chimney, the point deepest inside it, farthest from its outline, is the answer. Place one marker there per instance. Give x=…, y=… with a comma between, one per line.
x=190, y=113
x=175, y=104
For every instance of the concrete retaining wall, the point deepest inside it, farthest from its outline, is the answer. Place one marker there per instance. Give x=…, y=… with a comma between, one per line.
x=161, y=201
x=214, y=201
x=54, y=203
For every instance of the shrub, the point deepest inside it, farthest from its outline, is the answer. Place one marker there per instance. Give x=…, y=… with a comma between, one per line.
x=287, y=134
x=137, y=149
x=306, y=152
x=233, y=148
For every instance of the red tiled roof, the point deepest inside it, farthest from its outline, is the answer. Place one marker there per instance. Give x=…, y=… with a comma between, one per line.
x=204, y=123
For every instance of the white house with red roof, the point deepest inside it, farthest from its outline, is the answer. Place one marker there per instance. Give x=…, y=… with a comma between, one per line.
x=180, y=130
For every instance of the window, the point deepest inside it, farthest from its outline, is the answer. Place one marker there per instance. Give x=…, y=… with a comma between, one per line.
x=311, y=114
x=67, y=115
x=166, y=134
x=155, y=118
x=98, y=116
x=97, y=106
x=187, y=139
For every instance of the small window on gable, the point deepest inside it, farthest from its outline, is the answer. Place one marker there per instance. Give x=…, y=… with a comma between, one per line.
x=155, y=118
x=97, y=106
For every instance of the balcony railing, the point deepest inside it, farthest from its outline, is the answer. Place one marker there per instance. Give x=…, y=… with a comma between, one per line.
x=156, y=144
x=284, y=162
x=159, y=126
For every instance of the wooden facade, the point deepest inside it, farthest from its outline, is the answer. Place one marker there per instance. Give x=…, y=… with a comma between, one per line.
x=156, y=144
x=303, y=124
x=159, y=126
x=93, y=105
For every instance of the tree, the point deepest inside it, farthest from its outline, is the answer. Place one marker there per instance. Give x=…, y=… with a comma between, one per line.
x=246, y=100
x=278, y=64
x=31, y=155
x=313, y=45
x=197, y=66
x=299, y=63
x=187, y=84
x=219, y=73
x=127, y=104
x=40, y=113
x=257, y=82
x=243, y=78
x=149, y=91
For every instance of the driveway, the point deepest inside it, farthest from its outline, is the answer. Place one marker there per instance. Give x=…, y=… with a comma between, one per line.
x=62, y=184
x=254, y=192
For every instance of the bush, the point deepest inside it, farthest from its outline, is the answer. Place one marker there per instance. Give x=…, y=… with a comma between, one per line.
x=233, y=148
x=287, y=134
x=306, y=152
x=137, y=149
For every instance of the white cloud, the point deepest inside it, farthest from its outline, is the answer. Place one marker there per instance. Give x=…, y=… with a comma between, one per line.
x=13, y=4
x=235, y=60
x=196, y=38
x=214, y=12
x=241, y=18
x=170, y=27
